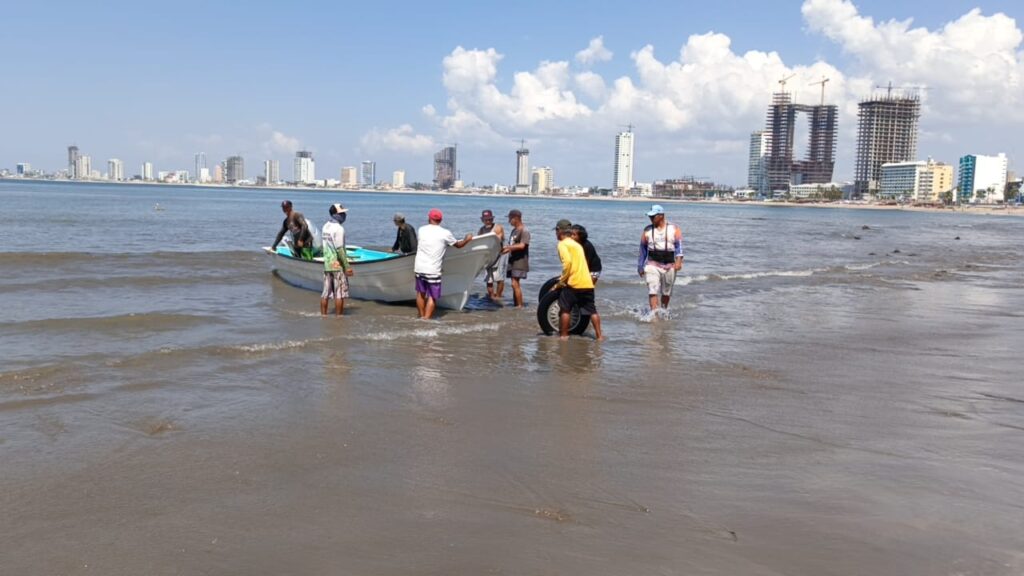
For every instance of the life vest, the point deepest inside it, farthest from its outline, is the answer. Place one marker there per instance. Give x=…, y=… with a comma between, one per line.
x=663, y=251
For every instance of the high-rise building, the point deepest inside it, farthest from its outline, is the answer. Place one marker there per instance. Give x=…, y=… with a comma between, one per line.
x=886, y=133
x=522, y=168
x=398, y=179
x=83, y=167
x=445, y=168
x=271, y=172
x=369, y=173
x=304, y=171
x=201, y=167
x=921, y=181
x=350, y=177
x=115, y=170
x=781, y=170
x=983, y=178
x=757, y=177
x=234, y=169
x=623, y=173
x=23, y=169
x=543, y=180
x=218, y=173
x=72, y=162
x=147, y=171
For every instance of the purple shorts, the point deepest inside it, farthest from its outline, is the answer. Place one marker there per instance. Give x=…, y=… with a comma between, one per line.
x=428, y=286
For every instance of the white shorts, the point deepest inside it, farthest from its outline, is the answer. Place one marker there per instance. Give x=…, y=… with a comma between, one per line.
x=659, y=280
x=335, y=285
x=496, y=272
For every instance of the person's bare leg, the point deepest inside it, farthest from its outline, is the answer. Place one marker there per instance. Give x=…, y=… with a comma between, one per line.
x=517, y=293
x=664, y=301
x=490, y=290
x=429, y=309
x=421, y=305
x=339, y=306
x=323, y=306
x=653, y=301
x=563, y=325
x=499, y=289
x=595, y=320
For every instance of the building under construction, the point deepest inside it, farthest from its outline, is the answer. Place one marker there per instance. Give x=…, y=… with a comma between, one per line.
x=445, y=168
x=817, y=165
x=886, y=133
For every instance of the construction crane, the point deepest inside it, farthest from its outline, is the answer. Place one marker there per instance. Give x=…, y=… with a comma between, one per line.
x=628, y=127
x=782, y=82
x=824, y=80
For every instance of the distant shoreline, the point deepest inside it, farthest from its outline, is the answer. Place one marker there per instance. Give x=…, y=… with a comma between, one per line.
x=987, y=210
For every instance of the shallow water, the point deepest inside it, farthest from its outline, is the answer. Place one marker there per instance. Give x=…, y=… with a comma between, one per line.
x=820, y=399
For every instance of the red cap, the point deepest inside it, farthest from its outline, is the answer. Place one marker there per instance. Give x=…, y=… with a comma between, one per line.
x=435, y=214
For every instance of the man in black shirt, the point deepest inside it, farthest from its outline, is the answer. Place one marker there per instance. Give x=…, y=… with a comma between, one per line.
x=405, y=240
x=302, y=238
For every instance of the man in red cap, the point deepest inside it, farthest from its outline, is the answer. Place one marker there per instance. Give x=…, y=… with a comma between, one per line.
x=433, y=241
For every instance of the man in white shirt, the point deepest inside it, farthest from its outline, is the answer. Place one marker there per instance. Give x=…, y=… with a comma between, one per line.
x=433, y=241
x=337, y=268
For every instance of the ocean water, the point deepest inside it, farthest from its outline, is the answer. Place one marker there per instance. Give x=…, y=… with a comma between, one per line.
x=831, y=392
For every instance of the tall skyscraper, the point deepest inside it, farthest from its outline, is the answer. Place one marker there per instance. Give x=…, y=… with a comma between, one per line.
x=234, y=170
x=271, y=172
x=115, y=170
x=445, y=168
x=543, y=180
x=886, y=133
x=522, y=168
x=982, y=178
x=369, y=173
x=218, y=173
x=304, y=171
x=201, y=167
x=72, y=161
x=816, y=167
x=398, y=179
x=756, y=174
x=350, y=177
x=623, y=173
x=23, y=169
x=147, y=171
x=83, y=167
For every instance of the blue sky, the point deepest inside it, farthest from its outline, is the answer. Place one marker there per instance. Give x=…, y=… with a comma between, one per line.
x=160, y=81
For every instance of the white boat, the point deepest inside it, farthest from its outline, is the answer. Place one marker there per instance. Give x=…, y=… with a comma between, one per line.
x=388, y=277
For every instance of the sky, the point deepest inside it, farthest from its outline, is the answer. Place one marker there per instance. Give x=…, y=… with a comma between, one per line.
x=394, y=82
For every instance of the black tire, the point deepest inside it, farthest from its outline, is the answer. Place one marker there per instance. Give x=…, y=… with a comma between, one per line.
x=547, y=315
x=546, y=287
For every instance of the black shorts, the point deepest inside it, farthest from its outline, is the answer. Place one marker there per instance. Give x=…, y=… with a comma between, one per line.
x=583, y=298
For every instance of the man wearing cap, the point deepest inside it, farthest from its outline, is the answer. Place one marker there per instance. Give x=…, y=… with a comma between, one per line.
x=302, y=237
x=577, y=287
x=518, y=250
x=433, y=241
x=405, y=240
x=495, y=271
x=661, y=256
x=336, y=265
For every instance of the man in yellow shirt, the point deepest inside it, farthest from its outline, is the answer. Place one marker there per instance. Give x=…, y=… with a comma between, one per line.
x=576, y=284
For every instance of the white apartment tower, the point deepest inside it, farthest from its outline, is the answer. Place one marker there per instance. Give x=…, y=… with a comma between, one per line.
x=398, y=179
x=623, y=176
x=305, y=167
x=983, y=178
x=522, y=168
x=115, y=170
x=757, y=177
x=83, y=167
x=271, y=172
x=543, y=180
x=147, y=171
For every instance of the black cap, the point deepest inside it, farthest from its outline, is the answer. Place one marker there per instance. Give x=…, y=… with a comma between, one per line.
x=563, y=225
x=515, y=213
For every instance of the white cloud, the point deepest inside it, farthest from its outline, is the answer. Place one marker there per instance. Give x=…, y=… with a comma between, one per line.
x=401, y=139
x=704, y=100
x=281, y=143
x=972, y=65
x=594, y=52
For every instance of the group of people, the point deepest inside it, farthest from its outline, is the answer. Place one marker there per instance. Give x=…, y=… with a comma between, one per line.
x=660, y=258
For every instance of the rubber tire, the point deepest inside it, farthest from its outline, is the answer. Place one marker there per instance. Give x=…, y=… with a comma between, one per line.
x=547, y=315
x=546, y=287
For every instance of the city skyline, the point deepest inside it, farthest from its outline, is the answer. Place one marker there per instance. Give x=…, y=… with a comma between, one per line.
x=695, y=92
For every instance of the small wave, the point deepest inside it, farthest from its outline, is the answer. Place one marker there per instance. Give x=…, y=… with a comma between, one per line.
x=49, y=259
x=276, y=346
x=432, y=332
x=149, y=322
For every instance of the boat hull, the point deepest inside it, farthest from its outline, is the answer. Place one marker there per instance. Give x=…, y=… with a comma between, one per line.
x=392, y=280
